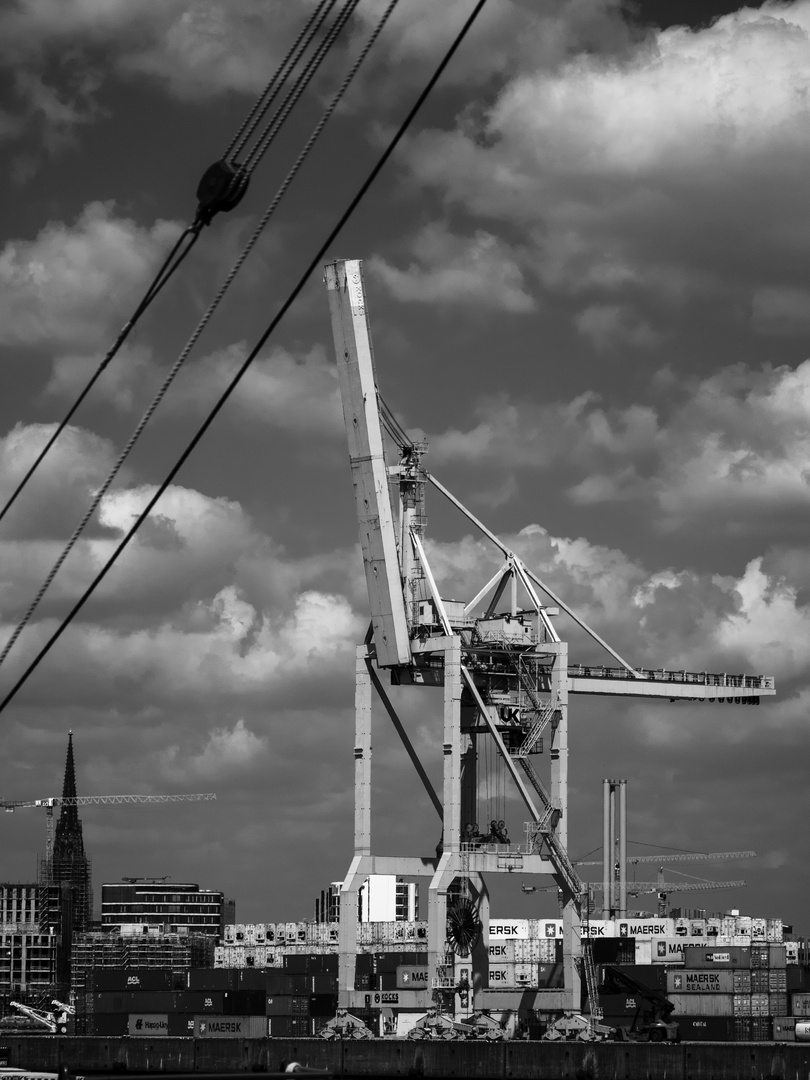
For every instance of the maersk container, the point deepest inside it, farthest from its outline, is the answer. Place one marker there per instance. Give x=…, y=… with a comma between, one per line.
x=501, y=975
x=527, y=974
x=148, y=1025
x=700, y=981
x=702, y=1004
x=717, y=956
x=705, y=1028
x=502, y=952
x=784, y=1028
x=412, y=977
x=527, y=952
x=230, y=1027
x=670, y=950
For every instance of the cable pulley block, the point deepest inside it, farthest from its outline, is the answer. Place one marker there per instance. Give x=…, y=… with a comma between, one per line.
x=220, y=189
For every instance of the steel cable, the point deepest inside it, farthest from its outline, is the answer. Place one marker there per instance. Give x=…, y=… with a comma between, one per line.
x=293, y=56
x=158, y=282
x=175, y=368
x=239, y=374
x=270, y=91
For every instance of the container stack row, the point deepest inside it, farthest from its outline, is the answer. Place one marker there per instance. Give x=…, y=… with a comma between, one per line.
x=215, y=1002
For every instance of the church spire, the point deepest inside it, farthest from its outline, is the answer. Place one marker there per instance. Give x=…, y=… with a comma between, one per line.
x=69, y=840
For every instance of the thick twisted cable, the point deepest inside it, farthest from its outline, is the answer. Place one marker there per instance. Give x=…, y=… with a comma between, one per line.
x=170, y=377
x=279, y=118
x=268, y=95
x=158, y=282
x=243, y=367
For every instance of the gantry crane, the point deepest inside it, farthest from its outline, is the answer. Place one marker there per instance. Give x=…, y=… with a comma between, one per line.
x=506, y=679
x=90, y=800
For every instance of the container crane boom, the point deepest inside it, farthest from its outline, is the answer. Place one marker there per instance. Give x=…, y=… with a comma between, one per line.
x=361, y=412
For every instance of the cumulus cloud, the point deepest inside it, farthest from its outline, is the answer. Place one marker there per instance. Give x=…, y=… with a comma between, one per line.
x=67, y=287
x=730, y=451
x=650, y=175
x=480, y=271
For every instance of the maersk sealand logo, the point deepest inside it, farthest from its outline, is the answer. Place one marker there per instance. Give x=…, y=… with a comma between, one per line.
x=623, y=929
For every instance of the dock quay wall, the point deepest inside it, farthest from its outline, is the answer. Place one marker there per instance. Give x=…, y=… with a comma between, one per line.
x=403, y=1057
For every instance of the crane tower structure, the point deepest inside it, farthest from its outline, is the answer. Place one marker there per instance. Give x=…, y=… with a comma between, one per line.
x=506, y=680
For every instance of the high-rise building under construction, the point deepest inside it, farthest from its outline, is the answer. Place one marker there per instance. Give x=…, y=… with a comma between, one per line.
x=66, y=894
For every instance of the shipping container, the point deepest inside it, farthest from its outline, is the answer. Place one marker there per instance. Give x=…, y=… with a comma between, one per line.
x=526, y=974
x=645, y=929
x=148, y=1025
x=714, y=956
x=777, y=980
x=784, y=1028
x=759, y=980
x=507, y=930
x=742, y=980
x=643, y=953
x=239, y=1003
x=700, y=981
x=549, y=976
x=212, y=979
x=800, y=1004
x=777, y=1004
x=741, y=1004
x=742, y=1029
x=286, y=1005
x=289, y=1027
x=650, y=975
x=283, y=983
x=109, y=1025
x=501, y=975
x=322, y=983
x=760, y=1004
x=503, y=952
x=323, y=1004
x=181, y=1025
x=792, y=952
x=620, y=1005
x=702, y=1004
x=230, y=1027
x=670, y=950
x=412, y=977
x=761, y=1028
x=526, y=952
x=760, y=956
x=705, y=1028
x=777, y=957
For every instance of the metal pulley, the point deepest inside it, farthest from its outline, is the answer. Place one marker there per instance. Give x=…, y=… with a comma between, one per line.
x=220, y=189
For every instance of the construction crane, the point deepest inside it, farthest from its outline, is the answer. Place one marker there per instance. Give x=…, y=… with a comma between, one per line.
x=91, y=800
x=662, y=887
x=54, y=1022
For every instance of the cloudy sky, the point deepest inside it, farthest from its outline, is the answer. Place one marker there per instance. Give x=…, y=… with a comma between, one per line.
x=587, y=270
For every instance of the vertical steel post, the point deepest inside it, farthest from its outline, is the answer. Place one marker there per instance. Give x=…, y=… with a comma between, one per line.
x=622, y=849
x=606, y=849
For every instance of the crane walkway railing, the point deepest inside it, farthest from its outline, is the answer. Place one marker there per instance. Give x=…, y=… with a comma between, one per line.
x=691, y=678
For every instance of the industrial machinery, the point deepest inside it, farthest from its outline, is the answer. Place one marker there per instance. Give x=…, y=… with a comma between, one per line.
x=435, y=1025
x=651, y=1022
x=345, y=1026
x=55, y=1022
x=506, y=680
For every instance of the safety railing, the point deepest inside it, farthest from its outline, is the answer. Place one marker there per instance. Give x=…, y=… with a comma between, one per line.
x=694, y=678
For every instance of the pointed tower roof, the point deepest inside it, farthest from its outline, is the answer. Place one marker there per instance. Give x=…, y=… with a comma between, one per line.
x=69, y=840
